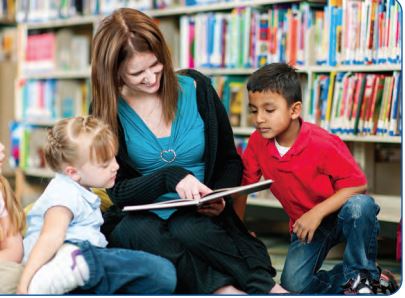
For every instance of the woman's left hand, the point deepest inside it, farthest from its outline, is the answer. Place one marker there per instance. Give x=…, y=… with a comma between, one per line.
x=212, y=208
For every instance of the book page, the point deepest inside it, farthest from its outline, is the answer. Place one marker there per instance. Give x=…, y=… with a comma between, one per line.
x=216, y=194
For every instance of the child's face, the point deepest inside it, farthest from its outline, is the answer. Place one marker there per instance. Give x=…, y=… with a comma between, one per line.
x=270, y=113
x=97, y=175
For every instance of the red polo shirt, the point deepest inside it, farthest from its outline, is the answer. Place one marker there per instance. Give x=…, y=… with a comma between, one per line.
x=315, y=167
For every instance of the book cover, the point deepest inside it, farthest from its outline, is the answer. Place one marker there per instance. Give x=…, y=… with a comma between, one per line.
x=216, y=194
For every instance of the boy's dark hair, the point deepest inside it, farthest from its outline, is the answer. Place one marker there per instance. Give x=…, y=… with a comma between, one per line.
x=278, y=78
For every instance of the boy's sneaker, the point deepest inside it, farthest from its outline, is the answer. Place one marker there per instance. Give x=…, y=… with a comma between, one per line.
x=62, y=274
x=359, y=285
x=388, y=284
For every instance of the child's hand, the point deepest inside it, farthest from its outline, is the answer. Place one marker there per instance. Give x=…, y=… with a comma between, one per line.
x=305, y=226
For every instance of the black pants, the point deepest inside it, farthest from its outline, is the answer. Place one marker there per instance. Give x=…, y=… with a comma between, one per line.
x=208, y=253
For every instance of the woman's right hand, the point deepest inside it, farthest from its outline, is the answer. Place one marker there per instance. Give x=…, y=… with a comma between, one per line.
x=191, y=188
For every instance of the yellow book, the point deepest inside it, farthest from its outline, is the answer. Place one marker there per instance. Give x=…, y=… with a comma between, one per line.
x=330, y=97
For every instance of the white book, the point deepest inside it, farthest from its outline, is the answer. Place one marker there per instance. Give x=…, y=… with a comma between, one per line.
x=184, y=42
x=216, y=194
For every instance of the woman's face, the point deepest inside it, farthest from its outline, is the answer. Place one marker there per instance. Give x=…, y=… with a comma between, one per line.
x=142, y=73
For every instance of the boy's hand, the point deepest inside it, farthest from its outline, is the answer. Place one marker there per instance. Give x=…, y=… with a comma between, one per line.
x=305, y=226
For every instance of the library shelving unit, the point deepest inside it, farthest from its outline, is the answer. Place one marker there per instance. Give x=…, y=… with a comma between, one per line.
x=228, y=40
x=52, y=82
x=7, y=72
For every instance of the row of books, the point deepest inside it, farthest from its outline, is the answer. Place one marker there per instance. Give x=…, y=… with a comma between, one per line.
x=27, y=145
x=344, y=103
x=357, y=103
x=358, y=32
x=7, y=9
x=343, y=32
x=44, y=101
x=233, y=93
x=60, y=50
x=246, y=37
x=45, y=10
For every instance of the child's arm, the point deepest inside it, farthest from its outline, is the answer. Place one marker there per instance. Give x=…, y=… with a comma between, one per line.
x=52, y=236
x=239, y=205
x=11, y=248
x=306, y=225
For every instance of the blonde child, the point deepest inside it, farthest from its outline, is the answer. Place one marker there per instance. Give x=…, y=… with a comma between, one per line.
x=11, y=244
x=64, y=248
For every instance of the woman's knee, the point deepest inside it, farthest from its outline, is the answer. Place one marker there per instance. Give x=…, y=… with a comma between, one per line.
x=132, y=233
x=191, y=230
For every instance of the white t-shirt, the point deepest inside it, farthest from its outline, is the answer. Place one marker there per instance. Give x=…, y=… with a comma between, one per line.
x=84, y=205
x=281, y=149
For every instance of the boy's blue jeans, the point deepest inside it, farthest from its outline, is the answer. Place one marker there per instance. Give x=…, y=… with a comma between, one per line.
x=357, y=225
x=116, y=270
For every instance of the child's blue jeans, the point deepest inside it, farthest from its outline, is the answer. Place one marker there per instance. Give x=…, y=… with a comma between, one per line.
x=116, y=270
x=356, y=224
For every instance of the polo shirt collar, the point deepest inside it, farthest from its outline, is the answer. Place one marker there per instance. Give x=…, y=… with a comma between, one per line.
x=299, y=145
x=89, y=196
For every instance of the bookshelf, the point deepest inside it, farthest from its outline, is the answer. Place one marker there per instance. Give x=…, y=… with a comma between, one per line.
x=309, y=41
x=8, y=69
x=52, y=82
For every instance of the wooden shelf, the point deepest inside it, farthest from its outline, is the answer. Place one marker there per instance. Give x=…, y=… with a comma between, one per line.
x=371, y=139
x=390, y=206
x=59, y=74
x=357, y=68
x=308, y=69
x=166, y=12
x=236, y=71
x=247, y=131
x=38, y=122
x=182, y=10
x=7, y=21
x=57, y=23
x=45, y=173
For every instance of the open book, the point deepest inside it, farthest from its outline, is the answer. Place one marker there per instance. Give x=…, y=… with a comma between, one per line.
x=219, y=193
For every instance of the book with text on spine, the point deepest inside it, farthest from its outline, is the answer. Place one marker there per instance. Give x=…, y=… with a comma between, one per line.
x=216, y=194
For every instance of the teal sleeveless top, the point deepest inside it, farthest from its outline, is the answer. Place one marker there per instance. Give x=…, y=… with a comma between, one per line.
x=184, y=147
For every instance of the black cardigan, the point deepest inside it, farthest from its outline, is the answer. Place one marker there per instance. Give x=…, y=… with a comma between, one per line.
x=223, y=166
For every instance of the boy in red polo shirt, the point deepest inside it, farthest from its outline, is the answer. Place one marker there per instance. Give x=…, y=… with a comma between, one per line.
x=319, y=185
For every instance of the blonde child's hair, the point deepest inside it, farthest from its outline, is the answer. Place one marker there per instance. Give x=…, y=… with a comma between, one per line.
x=15, y=213
x=67, y=136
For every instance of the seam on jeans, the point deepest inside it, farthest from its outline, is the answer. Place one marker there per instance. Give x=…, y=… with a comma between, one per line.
x=314, y=269
x=373, y=236
x=319, y=253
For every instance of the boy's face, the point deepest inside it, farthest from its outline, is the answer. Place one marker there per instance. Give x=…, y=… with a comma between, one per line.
x=270, y=113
